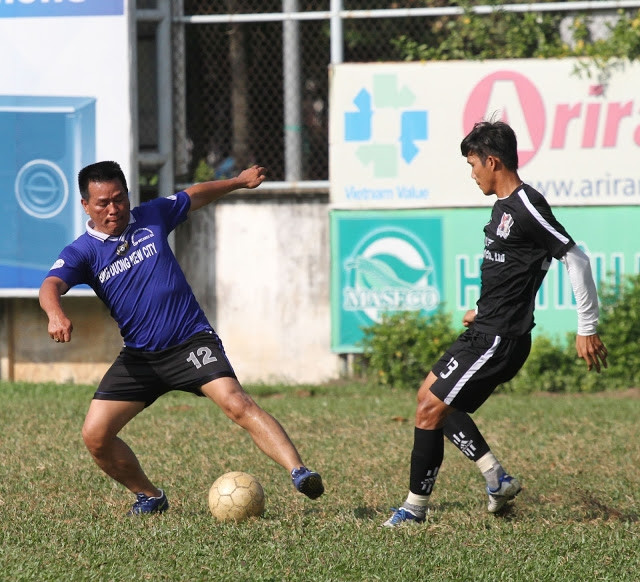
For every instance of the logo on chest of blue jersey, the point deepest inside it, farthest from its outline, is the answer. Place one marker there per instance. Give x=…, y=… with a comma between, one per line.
x=140, y=235
x=122, y=248
x=506, y=222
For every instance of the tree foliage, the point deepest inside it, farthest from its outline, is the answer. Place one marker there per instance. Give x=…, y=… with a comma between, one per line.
x=502, y=34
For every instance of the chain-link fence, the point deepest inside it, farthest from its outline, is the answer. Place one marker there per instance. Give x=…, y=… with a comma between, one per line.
x=222, y=56
x=235, y=91
x=234, y=106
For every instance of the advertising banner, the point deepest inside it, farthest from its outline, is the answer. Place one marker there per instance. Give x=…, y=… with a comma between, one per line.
x=395, y=131
x=64, y=103
x=422, y=259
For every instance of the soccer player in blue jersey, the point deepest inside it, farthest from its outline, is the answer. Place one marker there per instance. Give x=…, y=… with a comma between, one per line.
x=520, y=240
x=125, y=257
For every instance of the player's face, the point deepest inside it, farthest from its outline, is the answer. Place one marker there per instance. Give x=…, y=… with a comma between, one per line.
x=483, y=173
x=108, y=207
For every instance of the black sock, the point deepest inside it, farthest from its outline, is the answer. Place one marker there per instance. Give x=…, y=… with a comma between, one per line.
x=426, y=458
x=460, y=429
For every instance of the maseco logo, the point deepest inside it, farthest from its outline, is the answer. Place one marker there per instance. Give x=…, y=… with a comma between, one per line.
x=389, y=270
x=596, y=123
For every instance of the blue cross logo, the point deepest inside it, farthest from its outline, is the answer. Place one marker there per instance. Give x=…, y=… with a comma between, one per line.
x=413, y=126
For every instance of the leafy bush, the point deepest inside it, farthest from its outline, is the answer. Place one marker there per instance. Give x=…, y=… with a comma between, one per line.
x=498, y=34
x=517, y=35
x=553, y=366
x=604, y=55
x=400, y=350
x=546, y=369
x=620, y=330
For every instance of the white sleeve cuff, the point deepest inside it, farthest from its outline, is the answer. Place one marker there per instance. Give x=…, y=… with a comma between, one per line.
x=584, y=289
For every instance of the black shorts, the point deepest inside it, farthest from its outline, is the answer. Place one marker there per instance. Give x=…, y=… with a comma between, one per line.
x=474, y=365
x=140, y=376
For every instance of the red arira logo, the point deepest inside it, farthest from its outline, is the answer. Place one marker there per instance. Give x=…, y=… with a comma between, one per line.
x=513, y=98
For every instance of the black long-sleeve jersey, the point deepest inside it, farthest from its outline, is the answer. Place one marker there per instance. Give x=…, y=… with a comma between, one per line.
x=520, y=240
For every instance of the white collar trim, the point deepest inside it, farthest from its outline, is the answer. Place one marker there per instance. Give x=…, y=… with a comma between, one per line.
x=103, y=236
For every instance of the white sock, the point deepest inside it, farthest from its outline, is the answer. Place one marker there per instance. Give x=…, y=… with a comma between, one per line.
x=487, y=461
x=418, y=500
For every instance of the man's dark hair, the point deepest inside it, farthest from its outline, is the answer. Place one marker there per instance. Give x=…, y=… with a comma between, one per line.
x=99, y=172
x=492, y=138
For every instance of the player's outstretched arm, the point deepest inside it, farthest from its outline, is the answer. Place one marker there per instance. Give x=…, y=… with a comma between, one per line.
x=588, y=343
x=60, y=326
x=207, y=192
x=591, y=349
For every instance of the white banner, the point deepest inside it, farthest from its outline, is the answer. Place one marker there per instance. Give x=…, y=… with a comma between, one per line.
x=65, y=102
x=395, y=131
x=83, y=53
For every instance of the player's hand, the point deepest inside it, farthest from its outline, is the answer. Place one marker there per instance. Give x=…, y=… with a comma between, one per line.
x=60, y=328
x=252, y=177
x=591, y=349
x=469, y=317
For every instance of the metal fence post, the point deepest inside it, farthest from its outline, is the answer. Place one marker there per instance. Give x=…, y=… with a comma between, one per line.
x=292, y=97
x=337, y=41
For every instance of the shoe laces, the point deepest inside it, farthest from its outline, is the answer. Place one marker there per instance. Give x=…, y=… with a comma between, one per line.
x=295, y=473
x=504, y=478
x=143, y=500
x=400, y=514
x=141, y=503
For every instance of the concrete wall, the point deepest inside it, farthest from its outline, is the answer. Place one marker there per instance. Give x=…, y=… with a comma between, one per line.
x=28, y=354
x=259, y=265
x=268, y=295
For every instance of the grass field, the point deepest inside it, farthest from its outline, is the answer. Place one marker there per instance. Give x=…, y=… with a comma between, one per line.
x=577, y=518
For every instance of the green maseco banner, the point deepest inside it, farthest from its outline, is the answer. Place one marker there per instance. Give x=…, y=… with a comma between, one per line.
x=425, y=259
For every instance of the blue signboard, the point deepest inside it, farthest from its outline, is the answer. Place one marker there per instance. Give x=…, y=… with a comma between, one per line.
x=44, y=142
x=45, y=8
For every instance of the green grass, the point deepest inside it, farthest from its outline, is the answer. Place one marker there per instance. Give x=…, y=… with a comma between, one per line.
x=576, y=519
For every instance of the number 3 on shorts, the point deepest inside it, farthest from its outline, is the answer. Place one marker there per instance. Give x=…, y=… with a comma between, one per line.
x=451, y=366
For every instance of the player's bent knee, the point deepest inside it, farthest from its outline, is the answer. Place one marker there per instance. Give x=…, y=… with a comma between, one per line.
x=95, y=438
x=238, y=406
x=431, y=412
x=94, y=442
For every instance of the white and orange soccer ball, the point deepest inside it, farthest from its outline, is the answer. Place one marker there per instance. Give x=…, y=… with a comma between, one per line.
x=236, y=496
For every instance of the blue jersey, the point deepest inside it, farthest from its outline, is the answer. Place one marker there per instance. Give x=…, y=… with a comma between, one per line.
x=138, y=277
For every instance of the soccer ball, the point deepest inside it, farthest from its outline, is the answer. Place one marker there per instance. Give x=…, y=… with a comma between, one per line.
x=236, y=496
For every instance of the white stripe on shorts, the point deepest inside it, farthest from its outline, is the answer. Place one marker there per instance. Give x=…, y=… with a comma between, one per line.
x=472, y=370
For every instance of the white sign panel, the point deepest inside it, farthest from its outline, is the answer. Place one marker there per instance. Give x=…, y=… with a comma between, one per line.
x=395, y=131
x=64, y=103
x=72, y=48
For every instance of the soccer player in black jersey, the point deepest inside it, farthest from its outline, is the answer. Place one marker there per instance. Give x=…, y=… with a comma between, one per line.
x=520, y=241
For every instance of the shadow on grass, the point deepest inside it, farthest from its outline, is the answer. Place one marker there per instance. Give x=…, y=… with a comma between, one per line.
x=586, y=508
x=595, y=509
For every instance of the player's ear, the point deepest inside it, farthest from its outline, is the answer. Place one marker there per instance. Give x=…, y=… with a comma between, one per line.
x=493, y=162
